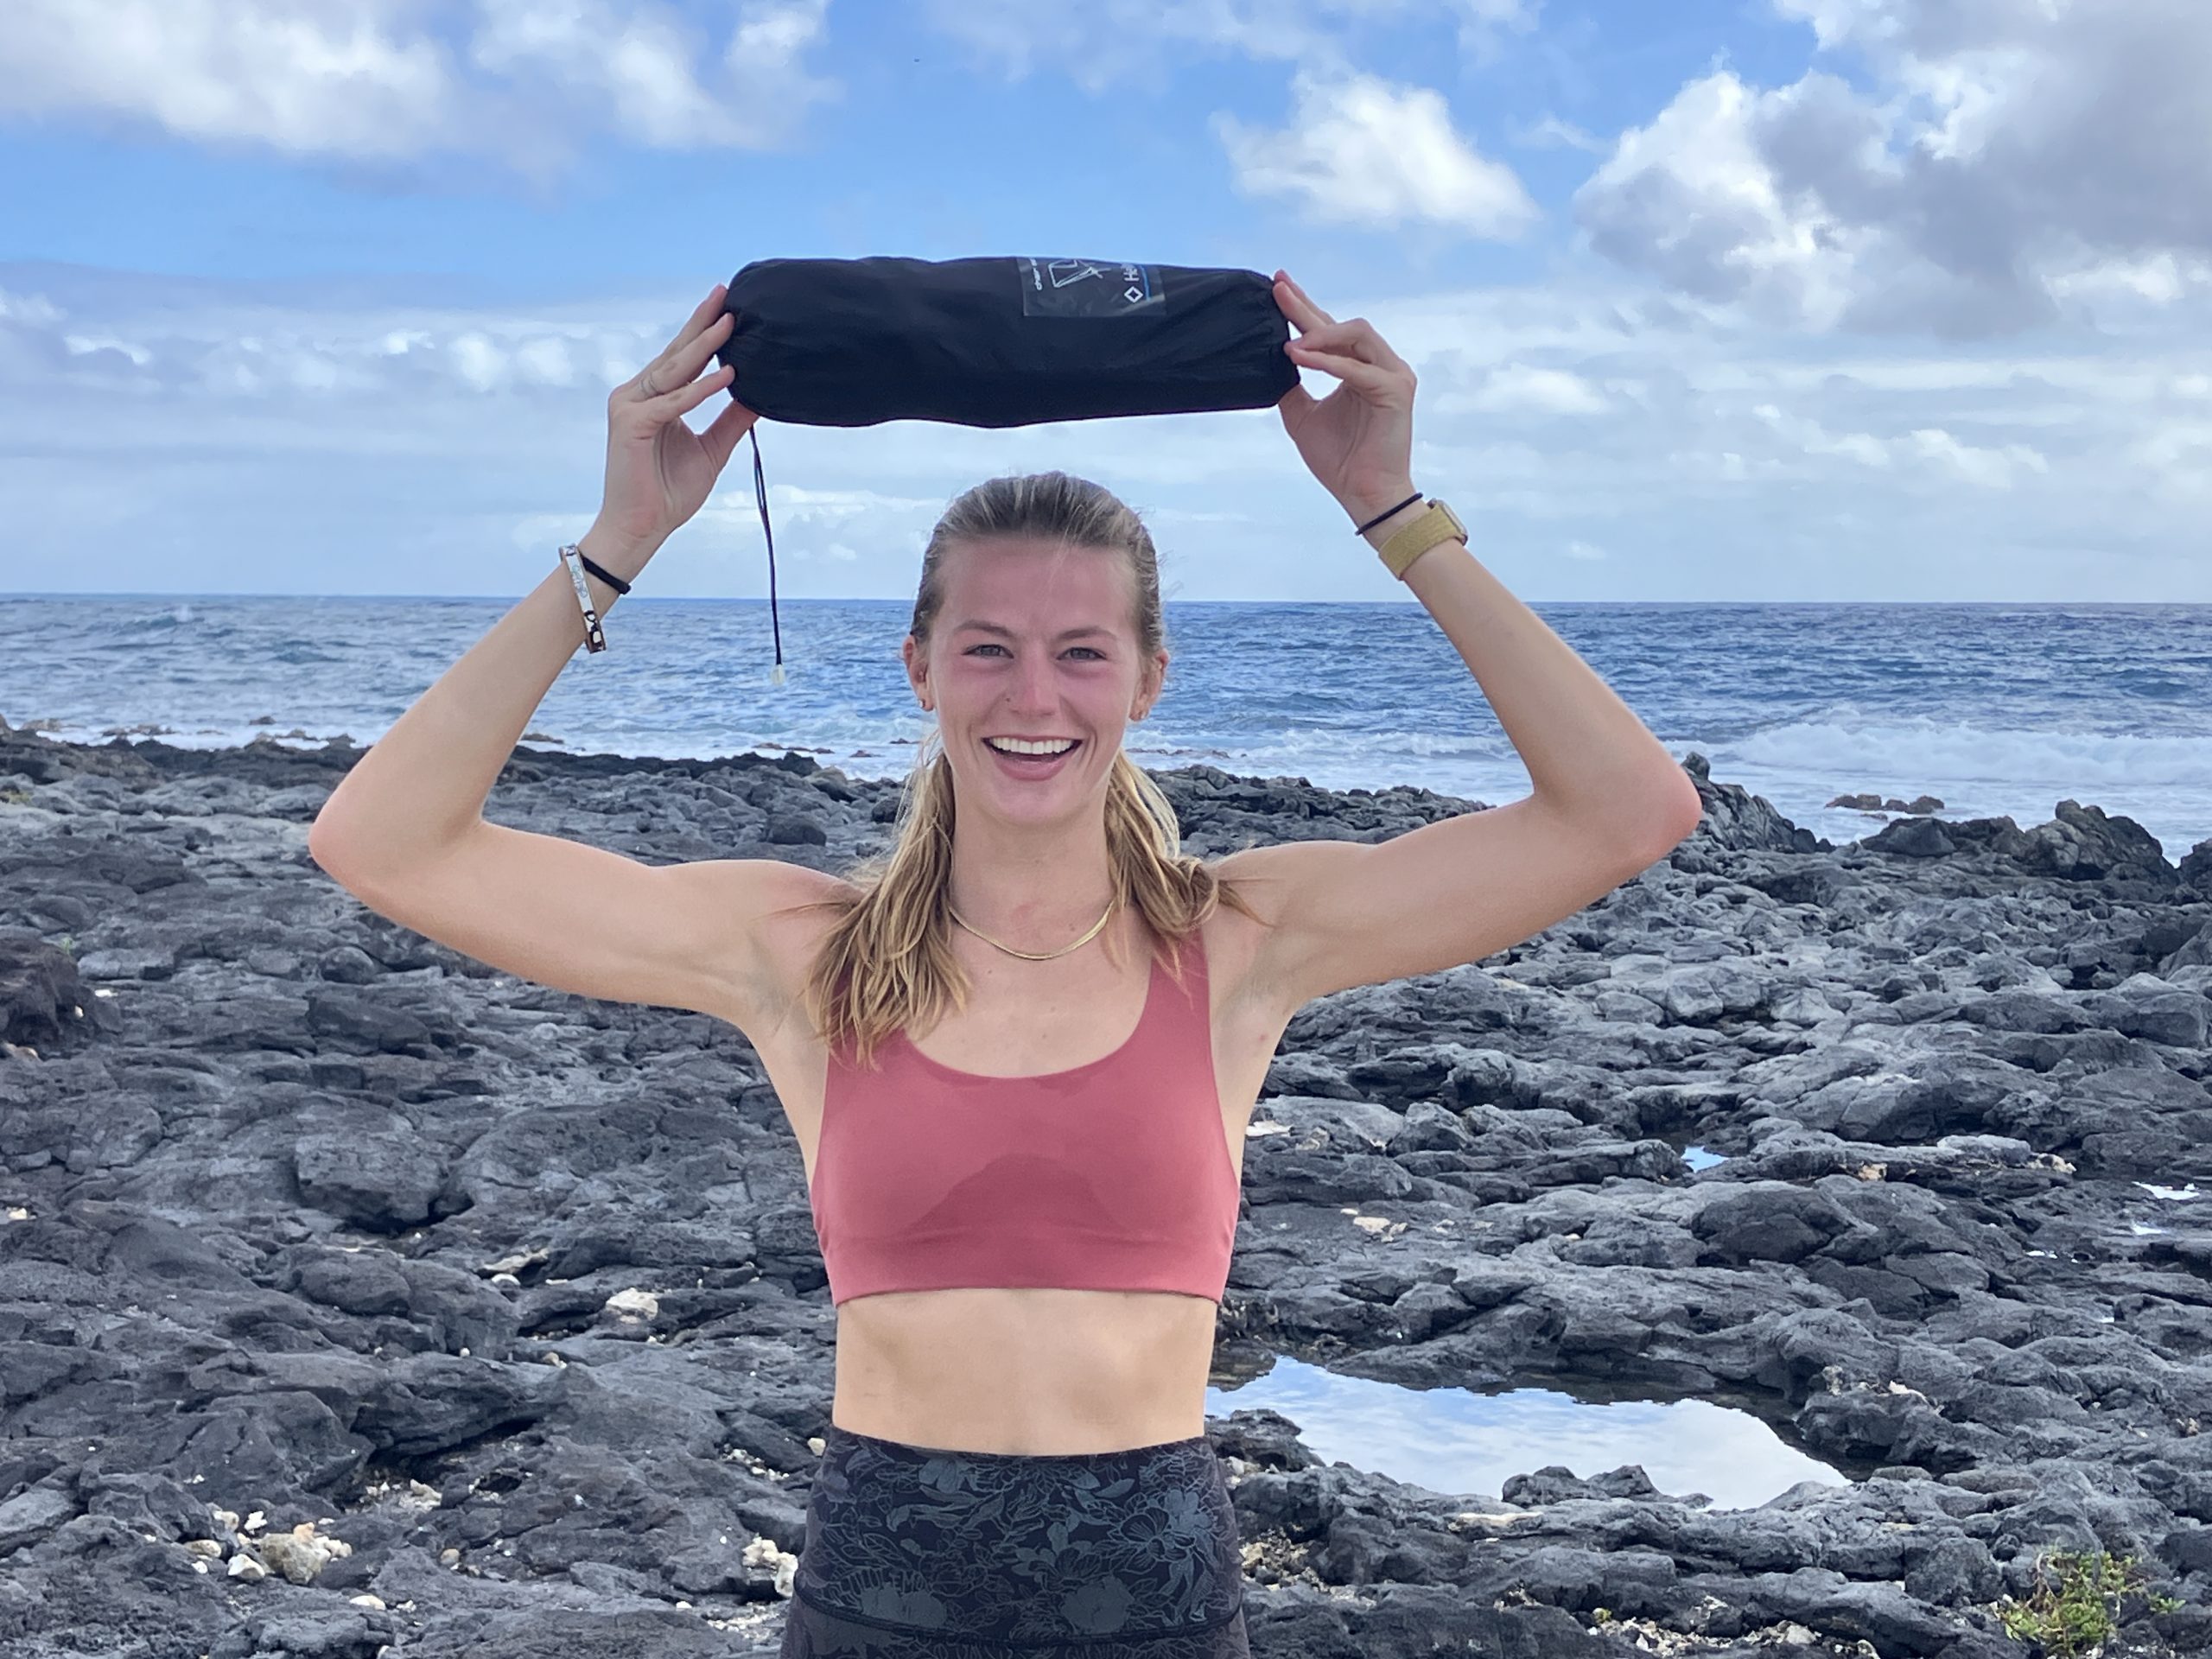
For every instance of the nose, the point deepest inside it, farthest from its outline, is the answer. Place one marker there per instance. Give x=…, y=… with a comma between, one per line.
x=1034, y=692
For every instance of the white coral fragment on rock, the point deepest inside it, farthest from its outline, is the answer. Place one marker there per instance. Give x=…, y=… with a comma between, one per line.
x=634, y=1304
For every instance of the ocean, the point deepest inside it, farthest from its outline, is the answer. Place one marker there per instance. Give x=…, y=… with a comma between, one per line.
x=1992, y=708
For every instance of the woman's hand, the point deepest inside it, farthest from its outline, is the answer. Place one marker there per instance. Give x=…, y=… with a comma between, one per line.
x=659, y=471
x=1358, y=440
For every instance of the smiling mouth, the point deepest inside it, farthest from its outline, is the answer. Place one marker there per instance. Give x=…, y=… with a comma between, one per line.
x=1066, y=746
x=1032, y=764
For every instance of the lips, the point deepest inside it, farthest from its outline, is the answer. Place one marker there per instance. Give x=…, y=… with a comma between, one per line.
x=1032, y=767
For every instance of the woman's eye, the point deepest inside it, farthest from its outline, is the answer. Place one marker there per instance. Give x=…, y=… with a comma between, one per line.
x=1088, y=651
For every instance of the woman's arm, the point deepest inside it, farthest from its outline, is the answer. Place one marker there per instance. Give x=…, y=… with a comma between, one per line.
x=1590, y=759
x=404, y=831
x=423, y=784
x=1608, y=802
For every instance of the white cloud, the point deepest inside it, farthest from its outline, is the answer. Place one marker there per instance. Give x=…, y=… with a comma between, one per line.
x=1099, y=44
x=1930, y=448
x=1362, y=151
x=1102, y=42
x=763, y=61
x=2159, y=280
x=1484, y=23
x=546, y=360
x=479, y=363
x=1994, y=162
x=252, y=353
x=1552, y=133
x=350, y=77
x=535, y=530
x=801, y=505
x=1692, y=199
x=1518, y=388
x=79, y=345
x=1810, y=438
x=34, y=309
x=1992, y=469
x=818, y=524
x=2179, y=457
x=382, y=82
x=638, y=63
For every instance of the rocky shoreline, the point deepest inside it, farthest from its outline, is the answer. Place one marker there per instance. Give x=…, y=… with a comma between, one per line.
x=355, y=1298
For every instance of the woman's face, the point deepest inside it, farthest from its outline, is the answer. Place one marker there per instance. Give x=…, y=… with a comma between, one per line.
x=1035, y=646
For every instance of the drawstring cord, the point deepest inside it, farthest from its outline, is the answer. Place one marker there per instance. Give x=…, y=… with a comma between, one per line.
x=760, y=494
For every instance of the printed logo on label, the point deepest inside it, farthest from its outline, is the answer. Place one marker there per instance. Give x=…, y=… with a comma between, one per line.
x=1088, y=288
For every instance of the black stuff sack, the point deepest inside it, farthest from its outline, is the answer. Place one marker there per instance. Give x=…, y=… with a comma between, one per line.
x=1002, y=341
x=993, y=342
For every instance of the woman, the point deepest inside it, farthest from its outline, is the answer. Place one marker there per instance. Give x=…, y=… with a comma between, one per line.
x=1027, y=1223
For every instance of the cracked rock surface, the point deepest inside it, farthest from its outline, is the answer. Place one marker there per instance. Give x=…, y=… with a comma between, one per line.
x=355, y=1297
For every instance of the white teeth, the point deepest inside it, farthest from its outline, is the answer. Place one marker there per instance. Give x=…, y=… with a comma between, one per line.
x=1018, y=746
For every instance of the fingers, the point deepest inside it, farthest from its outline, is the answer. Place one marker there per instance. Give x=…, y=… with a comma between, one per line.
x=1297, y=305
x=671, y=375
x=676, y=365
x=1356, y=372
x=1318, y=330
x=700, y=318
x=1357, y=338
x=691, y=393
x=703, y=332
x=720, y=439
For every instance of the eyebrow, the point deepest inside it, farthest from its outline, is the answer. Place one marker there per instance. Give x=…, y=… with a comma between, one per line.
x=1008, y=633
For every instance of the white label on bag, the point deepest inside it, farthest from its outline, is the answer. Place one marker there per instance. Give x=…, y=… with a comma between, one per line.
x=1088, y=288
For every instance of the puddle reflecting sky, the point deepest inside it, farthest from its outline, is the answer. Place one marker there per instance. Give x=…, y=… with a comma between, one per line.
x=1451, y=1440
x=1699, y=1158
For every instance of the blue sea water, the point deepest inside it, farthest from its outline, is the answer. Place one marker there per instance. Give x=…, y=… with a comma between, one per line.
x=1992, y=708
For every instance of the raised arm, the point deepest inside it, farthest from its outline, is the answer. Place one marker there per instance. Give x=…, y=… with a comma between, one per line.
x=405, y=830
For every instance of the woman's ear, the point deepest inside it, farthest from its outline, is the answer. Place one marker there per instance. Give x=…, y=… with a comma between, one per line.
x=917, y=671
x=1148, y=688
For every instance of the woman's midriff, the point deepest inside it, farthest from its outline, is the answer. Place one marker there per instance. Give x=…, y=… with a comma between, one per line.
x=1036, y=1372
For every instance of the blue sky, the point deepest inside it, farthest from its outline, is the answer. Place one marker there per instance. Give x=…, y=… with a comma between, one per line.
x=1780, y=299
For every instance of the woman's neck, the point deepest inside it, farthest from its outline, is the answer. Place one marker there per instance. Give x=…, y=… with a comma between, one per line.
x=1032, y=889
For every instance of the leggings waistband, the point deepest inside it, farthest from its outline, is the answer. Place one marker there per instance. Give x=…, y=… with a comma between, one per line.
x=1130, y=1457
x=1021, y=1549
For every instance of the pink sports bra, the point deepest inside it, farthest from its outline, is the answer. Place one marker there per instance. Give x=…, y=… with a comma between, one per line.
x=1113, y=1175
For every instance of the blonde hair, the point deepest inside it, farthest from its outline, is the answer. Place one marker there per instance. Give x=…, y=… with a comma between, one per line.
x=887, y=963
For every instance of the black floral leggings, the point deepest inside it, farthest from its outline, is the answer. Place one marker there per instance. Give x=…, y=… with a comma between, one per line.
x=915, y=1553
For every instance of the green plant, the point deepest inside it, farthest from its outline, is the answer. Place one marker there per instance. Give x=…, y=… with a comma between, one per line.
x=2075, y=1610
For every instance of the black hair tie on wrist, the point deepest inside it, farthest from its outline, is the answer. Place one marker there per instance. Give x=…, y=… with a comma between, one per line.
x=605, y=576
x=1380, y=516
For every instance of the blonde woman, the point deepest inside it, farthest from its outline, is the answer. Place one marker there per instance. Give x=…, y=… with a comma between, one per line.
x=1019, y=1051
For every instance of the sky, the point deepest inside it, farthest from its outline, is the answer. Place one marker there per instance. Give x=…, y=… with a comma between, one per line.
x=1774, y=300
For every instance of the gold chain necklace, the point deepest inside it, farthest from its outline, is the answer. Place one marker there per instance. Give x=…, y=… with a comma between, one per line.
x=1035, y=955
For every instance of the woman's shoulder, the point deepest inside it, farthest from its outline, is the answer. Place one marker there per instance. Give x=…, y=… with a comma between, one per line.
x=786, y=911
x=797, y=905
